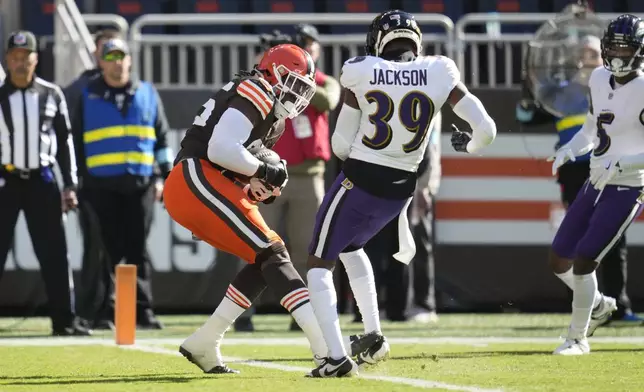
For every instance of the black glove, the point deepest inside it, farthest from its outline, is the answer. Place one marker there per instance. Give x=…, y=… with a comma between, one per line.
x=460, y=139
x=270, y=200
x=272, y=174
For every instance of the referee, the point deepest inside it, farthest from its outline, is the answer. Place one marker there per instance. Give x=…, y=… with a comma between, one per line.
x=34, y=134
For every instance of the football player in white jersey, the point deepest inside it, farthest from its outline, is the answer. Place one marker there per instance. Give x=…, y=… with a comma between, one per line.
x=391, y=98
x=612, y=197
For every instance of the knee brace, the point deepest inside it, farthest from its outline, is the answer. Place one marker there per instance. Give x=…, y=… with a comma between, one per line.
x=280, y=274
x=276, y=253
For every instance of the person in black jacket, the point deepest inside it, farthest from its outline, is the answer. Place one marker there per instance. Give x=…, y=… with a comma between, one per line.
x=34, y=136
x=75, y=88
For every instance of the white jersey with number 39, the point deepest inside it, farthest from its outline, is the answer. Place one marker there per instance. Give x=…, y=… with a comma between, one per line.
x=619, y=116
x=399, y=101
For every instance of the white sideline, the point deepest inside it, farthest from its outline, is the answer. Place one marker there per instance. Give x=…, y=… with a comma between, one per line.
x=147, y=345
x=427, y=384
x=472, y=341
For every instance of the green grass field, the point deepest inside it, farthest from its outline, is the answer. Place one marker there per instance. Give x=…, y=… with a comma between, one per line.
x=508, y=352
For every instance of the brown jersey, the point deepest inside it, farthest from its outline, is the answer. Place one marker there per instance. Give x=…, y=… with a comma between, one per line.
x=251, y=96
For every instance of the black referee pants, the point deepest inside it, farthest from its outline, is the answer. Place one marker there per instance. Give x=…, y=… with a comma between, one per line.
x=40, y=201
x=125, y=220
x=612, y=271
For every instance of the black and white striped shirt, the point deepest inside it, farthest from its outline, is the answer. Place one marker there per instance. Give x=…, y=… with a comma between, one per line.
x=35, y=130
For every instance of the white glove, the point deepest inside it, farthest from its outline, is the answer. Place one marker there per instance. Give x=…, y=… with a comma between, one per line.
x=601, y=177
x=257, y=191
x=561, y=156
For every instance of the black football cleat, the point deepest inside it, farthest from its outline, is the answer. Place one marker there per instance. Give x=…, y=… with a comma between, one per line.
x=379, y=351
x=220, y=369
x=361, y=343
x=343, y=367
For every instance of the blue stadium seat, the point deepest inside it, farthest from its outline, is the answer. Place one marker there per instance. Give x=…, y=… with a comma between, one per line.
x=349, y=6
x=511, y=6
x=38, y=16
x=559, y=5
x=132, y=9
x=210, y=6
x=280, y=6
x=508, y=6
x=596, y=5
x=452, y=8
x=635, y=6
x=603, y=5
x=529, y=6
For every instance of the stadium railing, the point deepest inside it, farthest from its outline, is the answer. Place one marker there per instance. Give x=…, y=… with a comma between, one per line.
x=497, y=38
x=488, y=48
x=61, y=62
x=73, y=44
x=207, y=60
x=71, y=41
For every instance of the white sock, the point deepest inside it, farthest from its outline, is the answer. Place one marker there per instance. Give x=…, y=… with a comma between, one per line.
x=363, y=285
x=582, y=304
x=215, y=327
x=324, y=301
x=569, y=279
x=297, y=302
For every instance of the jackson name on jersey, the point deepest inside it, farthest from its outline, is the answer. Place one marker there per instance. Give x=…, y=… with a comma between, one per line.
x=399, y=101
x=619, y=115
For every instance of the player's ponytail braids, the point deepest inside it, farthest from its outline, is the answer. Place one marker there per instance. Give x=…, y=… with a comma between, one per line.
x=247, y=74
x=265, y=73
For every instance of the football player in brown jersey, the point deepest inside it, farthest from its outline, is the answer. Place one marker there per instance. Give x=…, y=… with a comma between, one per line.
x=217, y=182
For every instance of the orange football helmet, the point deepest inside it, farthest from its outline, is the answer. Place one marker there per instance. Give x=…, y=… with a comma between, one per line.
x=290, y=70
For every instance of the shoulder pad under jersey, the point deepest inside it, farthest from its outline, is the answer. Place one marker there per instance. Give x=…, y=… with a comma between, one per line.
x=597, y=74
x=451, y=72
x=259, y=93
x=355, y=69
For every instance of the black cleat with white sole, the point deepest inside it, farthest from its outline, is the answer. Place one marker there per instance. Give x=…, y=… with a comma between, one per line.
x=361, y=343
x=215, y=370
x=379, y=351
x=343, y=367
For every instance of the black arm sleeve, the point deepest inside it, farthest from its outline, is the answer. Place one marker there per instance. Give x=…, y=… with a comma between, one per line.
x=163, y=152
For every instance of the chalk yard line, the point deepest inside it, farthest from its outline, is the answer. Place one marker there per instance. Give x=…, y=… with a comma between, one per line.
x=427, y=384
x=148, y=345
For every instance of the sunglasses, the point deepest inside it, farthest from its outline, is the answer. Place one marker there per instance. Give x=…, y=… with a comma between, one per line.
x=114, y=56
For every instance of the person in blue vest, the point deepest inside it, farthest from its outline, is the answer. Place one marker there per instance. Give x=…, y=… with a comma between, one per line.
x=120, y=128
x=572, y=175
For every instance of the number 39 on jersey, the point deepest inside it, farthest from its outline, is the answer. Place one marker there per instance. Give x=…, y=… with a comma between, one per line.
x=398, y=101
x=415, y=112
